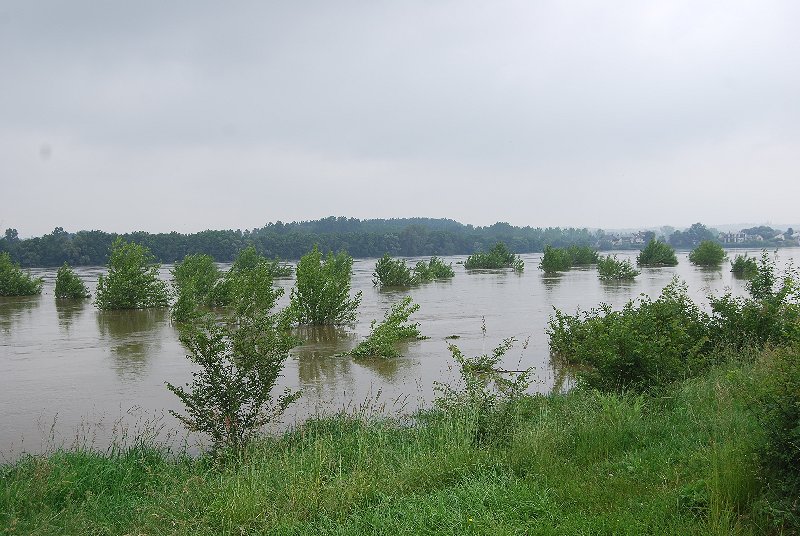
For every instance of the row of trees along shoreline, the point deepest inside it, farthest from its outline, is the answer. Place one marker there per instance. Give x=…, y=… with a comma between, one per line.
x=364, y=239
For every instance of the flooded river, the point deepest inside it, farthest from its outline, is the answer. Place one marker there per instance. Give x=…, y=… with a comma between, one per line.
x=69, y=372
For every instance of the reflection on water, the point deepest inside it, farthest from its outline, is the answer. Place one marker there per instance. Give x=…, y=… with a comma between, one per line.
x=129, y=334
x=69, y=311
x=14, y=309
x=318, y=361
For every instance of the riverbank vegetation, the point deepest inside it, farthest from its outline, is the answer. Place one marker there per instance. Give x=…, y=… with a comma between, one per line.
x=15, y=282
x=496, y=258
x=391, y=272
x=69, y=286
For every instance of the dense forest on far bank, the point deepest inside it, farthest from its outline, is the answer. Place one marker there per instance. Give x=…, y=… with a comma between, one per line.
x=360, y=238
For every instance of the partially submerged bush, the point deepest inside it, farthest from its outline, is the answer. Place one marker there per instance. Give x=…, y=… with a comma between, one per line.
x=647, y=344
x=321, y=295
x=433, y=269
x=657, y=253
x=582, y=255
x=487, y=395
x=498, y=257
x=132, y=280
x=609, y=268
x=240, y=358
x=744, y=266
x=69, y=285
x=393, y=328
x=391, y=272
x=555, y=260
x=771, y=315
x=707, y=253
x=15, y=282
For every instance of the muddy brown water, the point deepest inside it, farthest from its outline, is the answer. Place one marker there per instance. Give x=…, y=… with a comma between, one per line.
x=71, y=374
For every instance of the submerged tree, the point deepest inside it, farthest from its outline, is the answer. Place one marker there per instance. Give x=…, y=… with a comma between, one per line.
x=69, y=285
x=132, y=280
x=15, y=282
x=321, y=295
x=240, y=358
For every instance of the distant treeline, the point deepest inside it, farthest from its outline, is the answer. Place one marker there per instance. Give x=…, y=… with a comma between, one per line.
x=359, y=238
x=290, y=241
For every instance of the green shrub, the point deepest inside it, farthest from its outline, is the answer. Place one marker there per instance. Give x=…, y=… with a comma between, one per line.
x=498, y=257
x=391, y=272
x=744, y=266
x=770, y=315
x=240, y=358
x=555, y=260
x=487, y=396
x=198, y=283
x=393, y=328
x=582, y=255
x=69, y=285
x=707, y=253
x=777, y=406
x=15, y=282
x=647, y=344
x=433, y=269
x=657, y=253
x=250, y=258
x=321, y=295
x=132, y=280
x=609, y=268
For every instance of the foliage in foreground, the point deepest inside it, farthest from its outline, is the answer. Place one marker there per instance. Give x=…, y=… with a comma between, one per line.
x=393, y=328
x=777, y=406
x=581, y=463
x=487, y=397
x=770, y=315
x=391, y=272
x=657, y=253
x=69, y=285
x=609, y=268
x=321, y=295
x=707, y=253
x=646, y=344
x=132, y=280
x=15, y=282
x=498, y=257
x=239, y=358
x=744, y=266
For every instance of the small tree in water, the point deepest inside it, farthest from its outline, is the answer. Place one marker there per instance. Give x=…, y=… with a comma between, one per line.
x=240, y=358
x=132, y=281
x=69, y=285
x=321, y=295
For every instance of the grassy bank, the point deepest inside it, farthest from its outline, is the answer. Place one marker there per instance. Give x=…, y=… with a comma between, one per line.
x=683, y=462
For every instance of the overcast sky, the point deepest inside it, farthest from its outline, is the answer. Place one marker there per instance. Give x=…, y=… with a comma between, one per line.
x=158, y=116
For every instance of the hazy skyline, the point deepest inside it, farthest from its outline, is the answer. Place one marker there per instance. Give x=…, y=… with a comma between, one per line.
x=193, y=115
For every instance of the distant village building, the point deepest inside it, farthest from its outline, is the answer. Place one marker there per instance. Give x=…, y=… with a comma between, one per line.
x=636, y=239
x=738, y=238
